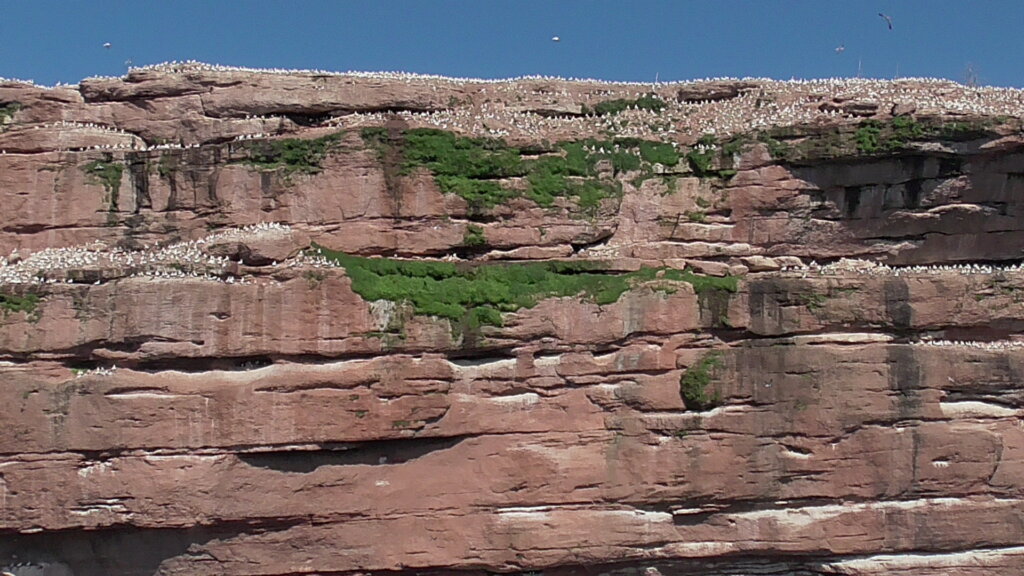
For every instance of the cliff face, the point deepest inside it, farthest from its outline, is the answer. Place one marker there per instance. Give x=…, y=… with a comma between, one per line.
x=712, y=328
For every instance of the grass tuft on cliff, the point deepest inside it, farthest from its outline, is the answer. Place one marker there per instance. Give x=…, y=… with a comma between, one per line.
x=694, y=383
x=480, y=294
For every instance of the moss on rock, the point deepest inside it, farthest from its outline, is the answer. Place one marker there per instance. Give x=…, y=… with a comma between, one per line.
x=480, y=294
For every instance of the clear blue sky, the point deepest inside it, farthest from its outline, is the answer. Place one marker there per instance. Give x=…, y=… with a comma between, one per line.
x=61, y=40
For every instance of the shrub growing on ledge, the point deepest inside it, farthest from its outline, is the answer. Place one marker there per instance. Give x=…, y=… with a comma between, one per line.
x=658, y=153
x=693, y=384
x=478, y=295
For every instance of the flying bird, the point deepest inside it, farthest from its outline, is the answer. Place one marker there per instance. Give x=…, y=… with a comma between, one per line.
x=888, y=19
x=556, y=39
x=840, y=49
x=106, y=45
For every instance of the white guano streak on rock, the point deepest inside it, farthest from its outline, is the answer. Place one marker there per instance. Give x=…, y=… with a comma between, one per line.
x=938, y=560
x=802, y=517
x=975, y=409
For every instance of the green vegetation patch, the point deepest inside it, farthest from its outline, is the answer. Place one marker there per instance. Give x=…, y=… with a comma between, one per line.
x=873, y=136
x=876, y=137
x=778, y=149
x=448, y=154
x=11, y=303
x=807, y=143
x=478, y=295
x=476, y=169
x=868, y=137
x=108, y=173
x=474, y=237
x=813, y=300
x=905, y=128
x=292, y=155
x=735, y=145
x=702, y=156
x=167, y=165
x=7, y=111
x=964, y=131
x=650, y=102
x=693, y=384
x=314, y=278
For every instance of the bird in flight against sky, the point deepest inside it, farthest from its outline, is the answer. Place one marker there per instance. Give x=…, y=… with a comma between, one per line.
x=556, y=39
x=888, y=19
x=106, y=45
x=840, y=48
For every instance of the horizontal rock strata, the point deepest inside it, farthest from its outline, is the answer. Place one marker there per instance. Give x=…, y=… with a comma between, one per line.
x=278, y=323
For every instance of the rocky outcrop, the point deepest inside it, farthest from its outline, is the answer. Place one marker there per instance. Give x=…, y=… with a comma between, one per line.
x=278, y=323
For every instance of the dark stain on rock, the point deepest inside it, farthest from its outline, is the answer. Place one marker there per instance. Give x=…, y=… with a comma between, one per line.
x=763, y=306
x=714, y=308
x=767, y=300
x=393, y=159
x=905, y=380
x=266, y=184
x=851, y=200
x=912, y=196
x=138, y=172
x=897, y=303
x=950, y=166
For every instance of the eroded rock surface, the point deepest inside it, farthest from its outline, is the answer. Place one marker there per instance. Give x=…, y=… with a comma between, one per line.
x=258, y=323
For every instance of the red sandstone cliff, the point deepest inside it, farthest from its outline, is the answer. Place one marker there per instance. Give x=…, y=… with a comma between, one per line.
x=834, y=387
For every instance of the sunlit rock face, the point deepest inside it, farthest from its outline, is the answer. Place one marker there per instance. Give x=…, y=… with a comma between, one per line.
x=297, y=322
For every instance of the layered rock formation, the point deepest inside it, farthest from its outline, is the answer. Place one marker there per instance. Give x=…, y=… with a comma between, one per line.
x=276, y=323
